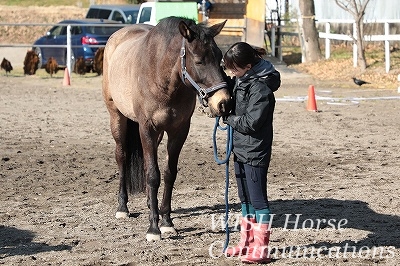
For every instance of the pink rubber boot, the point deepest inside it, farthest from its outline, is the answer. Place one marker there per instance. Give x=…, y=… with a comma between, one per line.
x=260, y=252
x=246, y=238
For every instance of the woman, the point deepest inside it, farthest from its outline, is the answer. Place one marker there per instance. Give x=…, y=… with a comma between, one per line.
x=255, y=81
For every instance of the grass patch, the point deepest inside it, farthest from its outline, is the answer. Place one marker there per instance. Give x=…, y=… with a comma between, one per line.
x=42, y=74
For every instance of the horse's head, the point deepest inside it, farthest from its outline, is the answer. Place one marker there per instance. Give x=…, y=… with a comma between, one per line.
x=200, y=60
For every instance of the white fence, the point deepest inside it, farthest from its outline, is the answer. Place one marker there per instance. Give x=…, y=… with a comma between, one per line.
x=386, y=38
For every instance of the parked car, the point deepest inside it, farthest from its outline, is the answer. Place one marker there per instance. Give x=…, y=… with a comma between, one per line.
x=126, y=14
x=87, y=35
x=152, y=12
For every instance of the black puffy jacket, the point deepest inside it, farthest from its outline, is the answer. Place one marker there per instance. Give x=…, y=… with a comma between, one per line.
x=253, y=114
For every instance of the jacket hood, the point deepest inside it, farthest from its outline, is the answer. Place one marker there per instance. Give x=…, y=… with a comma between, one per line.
x=260, y=70
x=263, y=71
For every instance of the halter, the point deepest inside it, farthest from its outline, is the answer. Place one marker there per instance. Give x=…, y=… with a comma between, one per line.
x=202, y=93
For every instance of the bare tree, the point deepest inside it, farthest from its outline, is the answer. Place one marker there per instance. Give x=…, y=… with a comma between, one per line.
x=357, y=9
x=311, y=50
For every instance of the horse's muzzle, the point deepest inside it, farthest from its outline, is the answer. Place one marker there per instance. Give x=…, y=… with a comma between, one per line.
x=225, y=106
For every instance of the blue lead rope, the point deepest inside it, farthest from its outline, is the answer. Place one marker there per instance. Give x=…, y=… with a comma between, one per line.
x=226, y=162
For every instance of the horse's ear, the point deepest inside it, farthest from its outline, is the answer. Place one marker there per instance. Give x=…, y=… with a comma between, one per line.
x=186, y=32
x=216, y=29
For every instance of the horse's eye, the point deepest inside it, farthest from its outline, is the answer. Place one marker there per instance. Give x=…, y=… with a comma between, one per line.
x=198, y=60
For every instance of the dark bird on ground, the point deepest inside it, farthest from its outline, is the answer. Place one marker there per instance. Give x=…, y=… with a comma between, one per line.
x=80, y=66
x=98, y=61
x=6, y=65
x=360, y=82
x=31, y=63
x=51, y=66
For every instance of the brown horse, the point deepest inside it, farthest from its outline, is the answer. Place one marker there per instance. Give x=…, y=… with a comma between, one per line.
x=151, y=76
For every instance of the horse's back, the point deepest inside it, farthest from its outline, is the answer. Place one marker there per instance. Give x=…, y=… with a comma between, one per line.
x=129, y=33
x=120, y=67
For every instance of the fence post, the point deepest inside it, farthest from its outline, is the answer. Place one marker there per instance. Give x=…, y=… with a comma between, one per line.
x=273, y=40
x=327, y=41
x=244, y=33
x=387, y=48
x=69, y=49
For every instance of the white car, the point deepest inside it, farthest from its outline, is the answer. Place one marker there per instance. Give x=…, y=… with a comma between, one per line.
x=126, y=14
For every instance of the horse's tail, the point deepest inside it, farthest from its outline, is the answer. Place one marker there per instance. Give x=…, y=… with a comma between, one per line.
x=135, y=180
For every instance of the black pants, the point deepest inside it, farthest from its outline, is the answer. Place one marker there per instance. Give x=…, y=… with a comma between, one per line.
x=252, y=184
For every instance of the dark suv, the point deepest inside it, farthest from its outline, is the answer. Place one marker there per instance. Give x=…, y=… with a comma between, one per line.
x=87, y=35
x=126, y=14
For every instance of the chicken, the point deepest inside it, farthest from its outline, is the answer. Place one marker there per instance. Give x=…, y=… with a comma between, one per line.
x=98, y=61
x=6, y=65
x=31, y=63
x=51, y=66
x=80, y=66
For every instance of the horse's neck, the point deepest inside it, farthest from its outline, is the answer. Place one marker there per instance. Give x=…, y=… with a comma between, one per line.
x=164, y=60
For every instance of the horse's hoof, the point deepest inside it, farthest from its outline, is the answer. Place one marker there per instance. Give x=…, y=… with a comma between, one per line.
x=167, y=230
x=153, y=237
x=120, y=215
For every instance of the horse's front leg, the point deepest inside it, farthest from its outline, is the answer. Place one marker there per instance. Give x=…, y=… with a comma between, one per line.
x=152, y=174
x=174, y=147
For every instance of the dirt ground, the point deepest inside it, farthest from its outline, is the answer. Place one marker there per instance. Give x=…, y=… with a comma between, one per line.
x=333, y=181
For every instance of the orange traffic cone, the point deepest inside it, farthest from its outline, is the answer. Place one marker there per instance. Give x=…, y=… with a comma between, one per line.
x=311, y=103
x=67, y=80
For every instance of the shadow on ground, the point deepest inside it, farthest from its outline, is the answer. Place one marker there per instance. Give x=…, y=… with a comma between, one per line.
x=14, y=241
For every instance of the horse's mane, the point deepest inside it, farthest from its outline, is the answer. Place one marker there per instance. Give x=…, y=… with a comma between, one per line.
x=169, y=27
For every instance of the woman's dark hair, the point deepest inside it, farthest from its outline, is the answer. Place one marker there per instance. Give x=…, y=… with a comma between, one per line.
x=240, y=54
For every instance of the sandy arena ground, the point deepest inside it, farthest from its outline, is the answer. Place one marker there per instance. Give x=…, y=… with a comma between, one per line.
x=333, y=181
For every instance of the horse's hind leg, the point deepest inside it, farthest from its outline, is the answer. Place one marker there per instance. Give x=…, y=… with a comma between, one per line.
x=118, y=124
x=174, y=147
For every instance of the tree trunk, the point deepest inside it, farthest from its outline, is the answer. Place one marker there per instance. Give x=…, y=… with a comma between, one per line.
x=311, y=50
x=357, y=10
x=361, y=61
